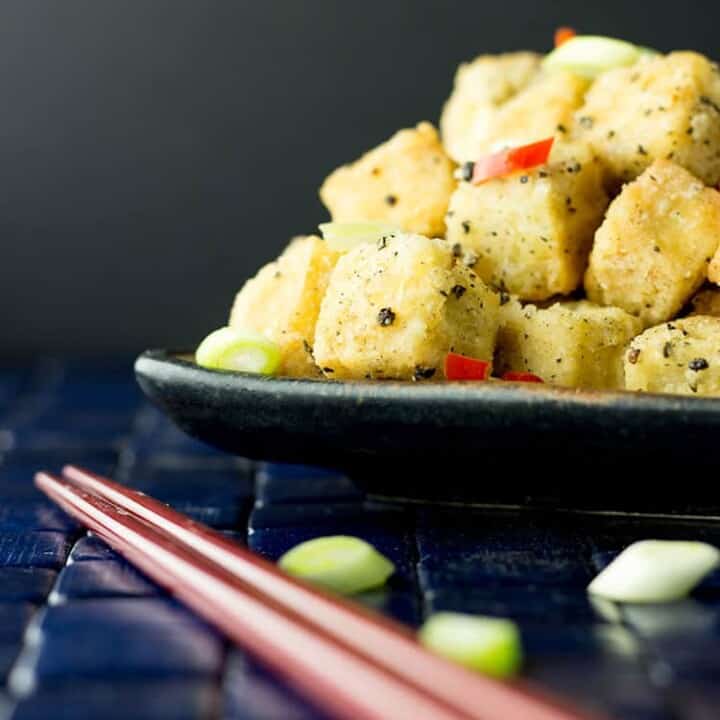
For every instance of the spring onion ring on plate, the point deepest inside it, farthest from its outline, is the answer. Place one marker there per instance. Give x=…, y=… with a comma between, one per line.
x=341, y=563
x=591, y=55
x=654, y=571
x=486, y=644
x=240, y=350
x=344, y=236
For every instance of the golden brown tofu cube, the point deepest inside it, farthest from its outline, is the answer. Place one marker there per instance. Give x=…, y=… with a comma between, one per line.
x=544, y=108
x=575, y=344
x=652, y=251
x=481, y=87
x=407, y=181
x=682, y=356
x=664, y=108
x=394, y=310
x=282, y=302
x=532, y=231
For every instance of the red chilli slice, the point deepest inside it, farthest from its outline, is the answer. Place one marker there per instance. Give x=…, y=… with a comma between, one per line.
x=563, y=34
x=513, y=376
x=461, y=367
x=511, y=160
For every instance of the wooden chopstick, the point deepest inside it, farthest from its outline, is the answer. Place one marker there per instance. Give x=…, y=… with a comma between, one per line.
x=380, y=641
x=337, y=680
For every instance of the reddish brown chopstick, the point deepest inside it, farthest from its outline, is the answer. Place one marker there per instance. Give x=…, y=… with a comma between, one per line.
x=378, y=640
x=336, y=679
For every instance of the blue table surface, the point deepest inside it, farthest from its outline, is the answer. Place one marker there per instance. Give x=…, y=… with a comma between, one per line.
x=85, y=635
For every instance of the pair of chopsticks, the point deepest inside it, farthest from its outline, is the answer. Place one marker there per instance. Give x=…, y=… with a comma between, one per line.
x=351, y=662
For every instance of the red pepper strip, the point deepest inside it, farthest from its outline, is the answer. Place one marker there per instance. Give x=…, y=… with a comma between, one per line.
x=563, y=34
x=461, y=367
x=513, y=376
x=508, y=161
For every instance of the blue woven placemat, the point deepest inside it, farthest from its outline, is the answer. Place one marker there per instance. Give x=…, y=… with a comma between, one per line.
x=84, y=635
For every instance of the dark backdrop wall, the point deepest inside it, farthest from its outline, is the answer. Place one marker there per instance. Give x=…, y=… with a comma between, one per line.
x=154, y=152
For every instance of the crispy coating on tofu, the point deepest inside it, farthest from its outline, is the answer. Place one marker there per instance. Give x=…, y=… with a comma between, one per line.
x=407, y=181
x=394, y=310
x=706, y=302
x=575, y=344
x=544, y=108
x=282, y=302
x=481, y=87
x=668, y=107
x=532, y=231
x=652, y=251
x=682, y=357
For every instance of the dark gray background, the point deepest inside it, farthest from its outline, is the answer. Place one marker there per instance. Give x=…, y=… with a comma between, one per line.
x=154, y=153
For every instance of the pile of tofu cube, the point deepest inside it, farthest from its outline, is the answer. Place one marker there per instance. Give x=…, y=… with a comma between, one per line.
x=596, y=269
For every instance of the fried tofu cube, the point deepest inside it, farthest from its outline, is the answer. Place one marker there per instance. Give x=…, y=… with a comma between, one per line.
x=480, y=88
x=682, y=357
x=394, y=310
x=544, y=108
x=574, y=344
x=407, y=181
x=706, y=302
x=282, y=302
x=652, y=251
x=532, y=231
x=667, y=107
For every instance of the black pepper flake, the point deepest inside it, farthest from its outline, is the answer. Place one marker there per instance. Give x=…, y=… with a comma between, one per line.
x=690, y=130
x=465, y=226
x=633, y=355
x=382, y=243
x=542, y=174
x=458, y=290
x=558, y=360
x=524, y=179
x=656, y=248
x=698, y=364
x=391, y=200
x=561, y=128
x=611, y=134
x=308, y=348
x=641, y=150
x=423, y=373
x=586, y=121
x=670, y=326
x=667, y=349
x=386, y=317
x=504, y=297
x=466, y=171
x=457, y=250
x=328, y=370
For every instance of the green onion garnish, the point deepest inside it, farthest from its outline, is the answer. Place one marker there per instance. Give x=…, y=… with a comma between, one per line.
x=341, y=563
x=232, y=349
x=489, y=645
x=590, y=55
x=343, y=237
x=652, y=571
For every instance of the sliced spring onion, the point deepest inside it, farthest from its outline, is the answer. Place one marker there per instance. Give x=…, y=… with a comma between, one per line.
x=489, y=645
x=232, y=349
x=590, y=55
x=342, y=563
x=652, y=571
x=343, y=237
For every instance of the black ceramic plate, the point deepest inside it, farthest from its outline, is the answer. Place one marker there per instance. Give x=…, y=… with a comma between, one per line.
x=480, y=442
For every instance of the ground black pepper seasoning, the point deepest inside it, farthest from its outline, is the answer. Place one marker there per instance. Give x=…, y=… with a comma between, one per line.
x=386, y=317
